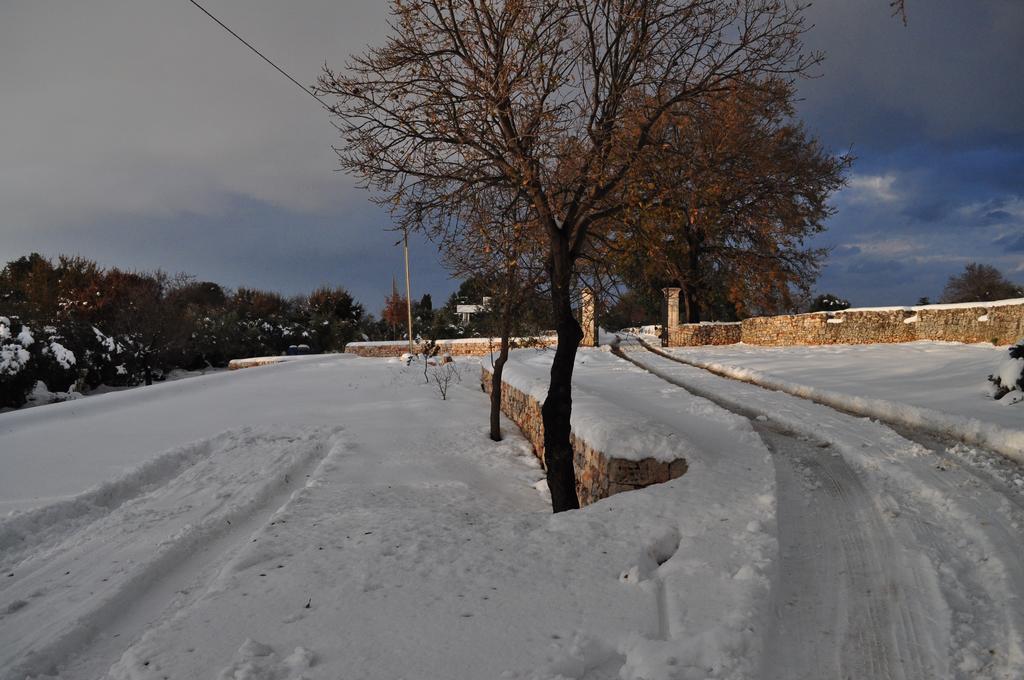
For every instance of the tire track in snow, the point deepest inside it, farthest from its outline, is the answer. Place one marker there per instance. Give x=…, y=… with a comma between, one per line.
x=959, y=523
x=845, y=612
x=150, y=553
x=32, y=534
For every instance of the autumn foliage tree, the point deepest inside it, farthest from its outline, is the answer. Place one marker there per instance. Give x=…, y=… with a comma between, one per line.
x=559, y=99
x=728, y=199
x=395, y=311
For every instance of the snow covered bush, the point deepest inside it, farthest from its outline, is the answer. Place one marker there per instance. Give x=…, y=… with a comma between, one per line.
x=56, y=365
x=109, y=361
x=1008, y=380
x=17, y=377
x=829, y=303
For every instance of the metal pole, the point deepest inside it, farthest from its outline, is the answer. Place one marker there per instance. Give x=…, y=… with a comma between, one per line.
x=408, y=294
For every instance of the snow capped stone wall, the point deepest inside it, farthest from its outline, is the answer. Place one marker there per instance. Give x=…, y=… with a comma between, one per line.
x=1001, y=323
x=852, y=327
x=598, y=473
x=459, y=347
x=998, y=324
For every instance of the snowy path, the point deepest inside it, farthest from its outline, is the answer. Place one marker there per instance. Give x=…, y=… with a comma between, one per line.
x=927, y=386
x=139, y=554
x=896, y=560
x=335, y=518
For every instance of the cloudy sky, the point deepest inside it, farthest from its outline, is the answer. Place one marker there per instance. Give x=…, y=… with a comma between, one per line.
x=139, y=134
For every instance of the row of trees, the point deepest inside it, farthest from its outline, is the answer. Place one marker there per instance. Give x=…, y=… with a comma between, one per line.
x=74, y=325
x=554, y=143
x=118, y=327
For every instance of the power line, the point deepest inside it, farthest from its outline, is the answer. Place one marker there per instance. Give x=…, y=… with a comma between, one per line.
x=262, y=56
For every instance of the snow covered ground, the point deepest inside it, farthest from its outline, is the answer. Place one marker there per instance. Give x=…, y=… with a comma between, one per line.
x=899, y=558
x=332, y=517
x=940, y=385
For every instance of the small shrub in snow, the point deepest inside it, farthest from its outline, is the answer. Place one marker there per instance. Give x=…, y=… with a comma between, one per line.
x=443, y=374
x=1008, y=380
x=429, y=352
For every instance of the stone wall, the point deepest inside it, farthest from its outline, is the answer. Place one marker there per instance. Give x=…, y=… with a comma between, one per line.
x=999, y=323
x=704, y=334
x=459, y=347
x=237, y=364
x=599, y=474
x=830, y=328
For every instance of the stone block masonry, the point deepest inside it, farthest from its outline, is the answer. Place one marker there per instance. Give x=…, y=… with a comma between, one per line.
x=1000, y=322
x=704, y=334
x=458, y=347
x=599, y=474
x=238, y=364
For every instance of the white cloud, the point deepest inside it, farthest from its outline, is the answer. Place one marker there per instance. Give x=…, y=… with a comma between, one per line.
x=871, y=189
x=880, y=247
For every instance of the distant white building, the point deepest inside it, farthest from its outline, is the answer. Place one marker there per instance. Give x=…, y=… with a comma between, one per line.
x=467, y=311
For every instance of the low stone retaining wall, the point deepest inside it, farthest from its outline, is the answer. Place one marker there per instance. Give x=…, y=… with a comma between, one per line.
x=598, y=474
x=457, y=347
x=237, y=364
x=1001, y=323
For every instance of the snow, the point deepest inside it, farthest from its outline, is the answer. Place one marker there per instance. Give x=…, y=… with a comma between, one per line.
x=894, y=553
x=333, y=517
x=946, y=305
x=107, y=342
x=938, y=385
x=41, y=395
x=13, y=358
x=1009, y=372
x=96, y=439
x=252, y=362
x=452, y=341
x=622, y=411
x=25, y=337
x=375, y=343
x=61, y=354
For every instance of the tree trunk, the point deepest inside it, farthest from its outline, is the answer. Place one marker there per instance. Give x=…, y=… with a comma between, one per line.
x=691, y=301
x=499, y=365
x=691, y=305
x=557, y=407
x=147, y=371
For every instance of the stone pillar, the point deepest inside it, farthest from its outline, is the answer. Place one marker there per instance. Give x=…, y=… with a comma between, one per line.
x=588, y=318
x=671, y=318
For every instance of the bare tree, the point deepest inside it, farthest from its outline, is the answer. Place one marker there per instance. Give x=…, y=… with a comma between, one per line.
x=980, y=283
x=899, y=9
x=557, y=98
x=497, y=239
x=443, y=373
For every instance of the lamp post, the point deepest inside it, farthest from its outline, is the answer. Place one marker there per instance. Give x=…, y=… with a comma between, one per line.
x=408, y=293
